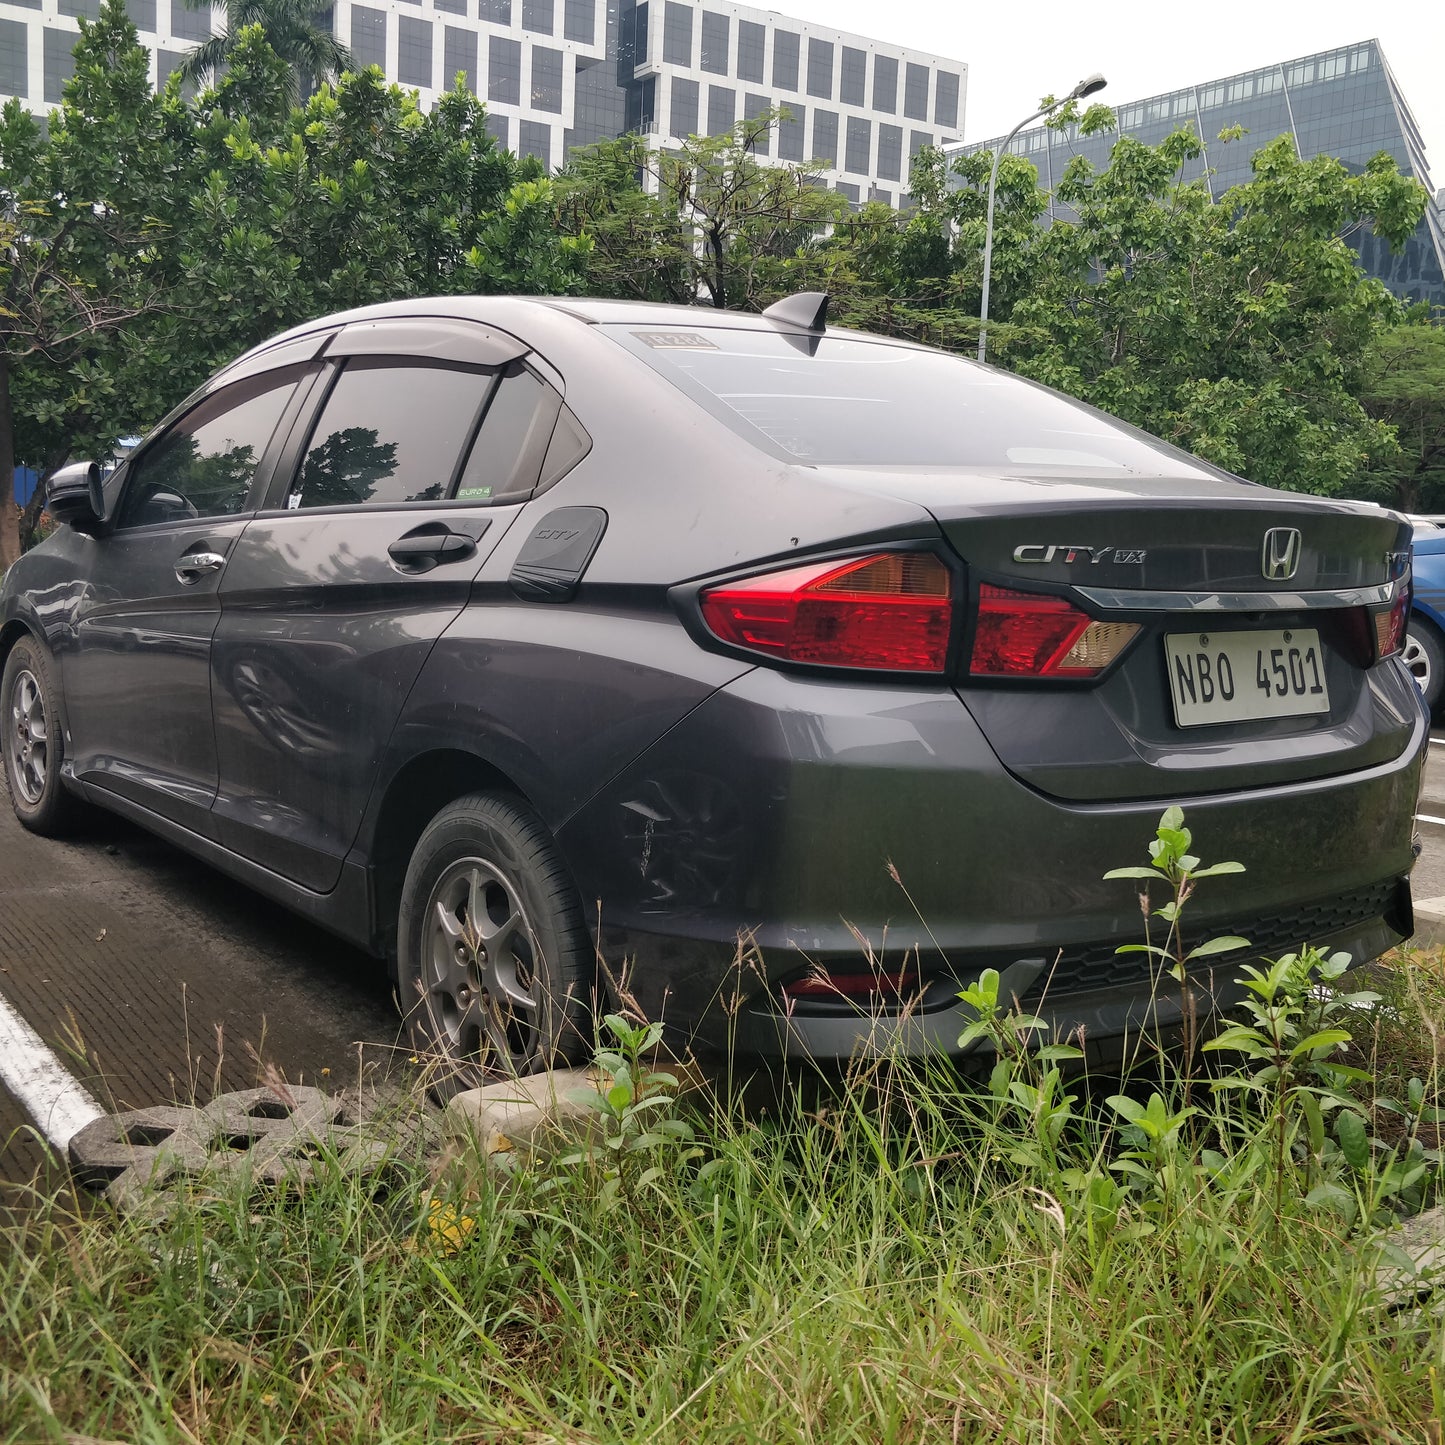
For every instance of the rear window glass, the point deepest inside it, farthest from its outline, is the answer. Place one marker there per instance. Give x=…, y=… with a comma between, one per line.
x=842, y=400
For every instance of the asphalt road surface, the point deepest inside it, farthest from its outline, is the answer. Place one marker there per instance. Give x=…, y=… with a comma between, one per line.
x=155, y=979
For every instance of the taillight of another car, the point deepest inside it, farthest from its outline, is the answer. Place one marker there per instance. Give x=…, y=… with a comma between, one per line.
x=890, y=611
x=1032, y=634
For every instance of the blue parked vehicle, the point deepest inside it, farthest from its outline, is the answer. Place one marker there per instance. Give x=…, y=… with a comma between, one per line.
x=1424, y=652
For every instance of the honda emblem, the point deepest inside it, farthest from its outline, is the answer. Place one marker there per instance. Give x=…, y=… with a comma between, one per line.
x=1279, y=560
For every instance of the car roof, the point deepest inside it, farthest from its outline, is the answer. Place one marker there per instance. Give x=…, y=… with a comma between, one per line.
x=506, y=312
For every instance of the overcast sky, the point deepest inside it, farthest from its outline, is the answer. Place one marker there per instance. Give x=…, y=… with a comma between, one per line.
x=1017, y=52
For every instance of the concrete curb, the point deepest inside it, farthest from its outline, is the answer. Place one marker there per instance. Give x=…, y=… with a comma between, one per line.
x=1429, y=923
x=537, y=1114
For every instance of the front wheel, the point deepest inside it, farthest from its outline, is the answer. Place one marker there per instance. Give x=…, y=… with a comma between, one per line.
x=34, y=744
x=494, y=963
x=1424, y=655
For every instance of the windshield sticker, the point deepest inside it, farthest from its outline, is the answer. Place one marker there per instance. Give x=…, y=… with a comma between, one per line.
x=473, y=493
x=675, y=341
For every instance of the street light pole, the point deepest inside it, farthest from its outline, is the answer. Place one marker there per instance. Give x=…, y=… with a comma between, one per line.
x=1088, y=86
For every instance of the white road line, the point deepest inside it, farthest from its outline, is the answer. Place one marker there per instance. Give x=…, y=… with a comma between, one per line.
x=57, y=1102
x=1429, y=818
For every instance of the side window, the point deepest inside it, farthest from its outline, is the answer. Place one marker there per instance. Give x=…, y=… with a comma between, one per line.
x=390, y=433
x=204, y=464
x=506, y=457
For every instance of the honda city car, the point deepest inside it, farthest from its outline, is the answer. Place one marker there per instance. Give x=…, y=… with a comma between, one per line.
x=790, y=674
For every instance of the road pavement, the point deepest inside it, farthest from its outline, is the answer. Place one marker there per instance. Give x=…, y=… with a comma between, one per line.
x=156, y=979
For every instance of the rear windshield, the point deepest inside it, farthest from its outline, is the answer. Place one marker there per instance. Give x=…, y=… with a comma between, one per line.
x=840, y=400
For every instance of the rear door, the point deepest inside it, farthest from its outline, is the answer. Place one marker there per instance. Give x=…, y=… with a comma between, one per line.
x=429, y=436
x=137, y=681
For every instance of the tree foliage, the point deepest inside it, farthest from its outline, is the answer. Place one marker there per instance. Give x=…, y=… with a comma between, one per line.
x=148, y=238
x=299, y=31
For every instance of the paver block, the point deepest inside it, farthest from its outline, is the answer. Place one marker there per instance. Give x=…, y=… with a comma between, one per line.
x=269, y=1136
x=1429, y=923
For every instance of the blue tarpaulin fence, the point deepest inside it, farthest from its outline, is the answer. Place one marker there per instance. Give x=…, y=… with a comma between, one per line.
x=25, y=480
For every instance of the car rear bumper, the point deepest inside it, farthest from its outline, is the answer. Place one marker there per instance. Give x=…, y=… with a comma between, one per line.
x=790, y=824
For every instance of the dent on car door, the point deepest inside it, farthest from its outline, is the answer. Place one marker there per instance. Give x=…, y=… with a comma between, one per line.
x=337, y=594
x=137, y=676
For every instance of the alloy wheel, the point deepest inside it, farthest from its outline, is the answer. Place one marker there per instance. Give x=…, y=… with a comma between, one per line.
x=482, y=978
x=29, y=737
x=1415, y=657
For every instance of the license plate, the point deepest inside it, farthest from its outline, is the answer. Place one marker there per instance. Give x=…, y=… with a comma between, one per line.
x=1219, y=677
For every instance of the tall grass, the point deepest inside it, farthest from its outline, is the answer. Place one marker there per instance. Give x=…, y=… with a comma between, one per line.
x=903, y=1258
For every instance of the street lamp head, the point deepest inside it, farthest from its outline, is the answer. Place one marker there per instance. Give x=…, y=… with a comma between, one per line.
x=1089, y=85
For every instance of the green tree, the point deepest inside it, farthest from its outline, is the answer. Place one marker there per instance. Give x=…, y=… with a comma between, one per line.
x=1404, y=387
x=78, y=252
x=708, y=221
x=299, y=31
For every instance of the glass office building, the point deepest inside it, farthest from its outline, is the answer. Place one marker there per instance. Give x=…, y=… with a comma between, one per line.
x=561, y=73
x=1343, y=103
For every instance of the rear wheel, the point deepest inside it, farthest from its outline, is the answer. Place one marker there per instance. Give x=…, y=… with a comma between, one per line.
x=34, y=746
x=1424, y=655
x=494, y=963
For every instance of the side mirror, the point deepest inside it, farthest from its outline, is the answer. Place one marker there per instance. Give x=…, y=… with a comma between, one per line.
x=73, y=496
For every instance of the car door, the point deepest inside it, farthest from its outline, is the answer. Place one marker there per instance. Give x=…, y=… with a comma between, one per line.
x=378, y=522
x=137, y=679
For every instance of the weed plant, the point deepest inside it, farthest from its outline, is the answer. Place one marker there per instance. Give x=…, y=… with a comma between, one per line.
x=915, y=1259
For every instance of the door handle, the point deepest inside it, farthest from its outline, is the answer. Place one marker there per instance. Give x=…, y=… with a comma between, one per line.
x=421, y=551
x=192, y=566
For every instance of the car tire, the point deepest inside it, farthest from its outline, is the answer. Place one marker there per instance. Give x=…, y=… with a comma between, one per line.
x=33, y=744
x=495, y=967
x=1424, y=655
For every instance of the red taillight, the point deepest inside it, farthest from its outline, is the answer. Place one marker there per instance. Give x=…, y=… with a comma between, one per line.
x=852, y=986
x=892, y=610
x=1028, y=634
x=1390, y=626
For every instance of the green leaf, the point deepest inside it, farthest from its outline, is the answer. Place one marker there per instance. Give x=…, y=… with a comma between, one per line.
x=1354, y=1139
x=1152, y=874
x=1215, y=869
x=1226, y=943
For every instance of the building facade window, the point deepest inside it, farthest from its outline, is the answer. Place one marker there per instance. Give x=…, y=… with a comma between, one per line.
x=189, y=24
x=858, y=151
x=14, y=58
x=498, y=12
x=917, y=139
x=413, y=51
x=537, y=16
x=752, y=42
x=853, y=81
x=753, y=107
x=579, y=21
x=945, y=100
x=714, y=43
x=368, y=35
x=682, y=121
x=35, y=5
x=535, y=139
x=890, y=152
x=786, y=49
x=915, y=91
x=504, y=69
x=790, y=134
x=59, y=63
x=459, y=57
x=498, y=127
x=825, y=137
x=143, y=12
x=848, y=190
x=451, y=7
x=89, y=9
x=820, y=68
x=677, y=34
x=885, y=84
x=722, y=109
x=547, y=79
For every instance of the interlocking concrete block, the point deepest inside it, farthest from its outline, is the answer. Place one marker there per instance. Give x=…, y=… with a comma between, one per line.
x=537, y=1113
x=264, y=1136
